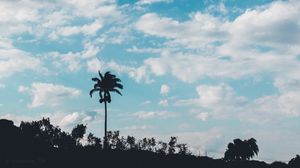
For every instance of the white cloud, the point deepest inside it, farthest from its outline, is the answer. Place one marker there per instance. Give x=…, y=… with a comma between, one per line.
x=16, y=14
x=49, y=94
x=164, y=102
x=270, y=25
x=192, y=67
x=94, y=65
x=164, y=89
x=137, y=127
x=211, y=142
x=260, y=40
x=264, y=26
x=56, y=18
x=13, y=60
x=23, y=89
x=135, y=49
x=218, y=101
x=87, y=29
x=74, y=60
x=153, y=114
x=220, y=8
x=139, y=74
x=203, y=116
x=271, y=108
x=221, y=102
x=71, y=119
x=94, y=8
x=213, y=95
x=65, y=120
x=146, y=102
x=197, y=32
x=157, y=66
x=149, y=2
x=17, y=119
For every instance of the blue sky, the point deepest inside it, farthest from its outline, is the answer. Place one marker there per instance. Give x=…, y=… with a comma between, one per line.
x=206, y=71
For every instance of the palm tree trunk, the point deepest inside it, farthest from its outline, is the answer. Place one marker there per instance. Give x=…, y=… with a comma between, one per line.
x=105, y=126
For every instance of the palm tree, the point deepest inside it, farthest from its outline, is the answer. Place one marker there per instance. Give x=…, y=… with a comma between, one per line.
x=104, y=85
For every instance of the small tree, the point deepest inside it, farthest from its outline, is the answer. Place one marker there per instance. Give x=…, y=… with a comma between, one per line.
x=162, y=147
x=183, y=149
x=94, y=141
x=172, y=145
x=78, y=133
x=131, y=142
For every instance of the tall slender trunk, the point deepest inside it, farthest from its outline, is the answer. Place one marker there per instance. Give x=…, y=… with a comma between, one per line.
x=105, y=126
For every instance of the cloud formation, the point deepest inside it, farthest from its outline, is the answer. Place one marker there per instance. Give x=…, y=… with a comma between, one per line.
x=48, y=94
x=13, y=60
x=164, y=89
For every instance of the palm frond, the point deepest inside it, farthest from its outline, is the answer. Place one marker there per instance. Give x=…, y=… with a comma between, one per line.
x=97, y=86
x=106, y=83
x=96, y=79
x=118, y=85
x=93, y=90
x=101, y=76
x=107, y=73
x=117, y=80
x=117, y=91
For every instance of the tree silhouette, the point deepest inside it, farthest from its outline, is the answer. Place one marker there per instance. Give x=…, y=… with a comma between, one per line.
x=78, y=133
x=172, y=145
x=183, y=149
x=241, y=150
x=94, y=141
x=131, y=142
x=104, y=85
x=295, y=162
x=162, y=149
x=41, y=144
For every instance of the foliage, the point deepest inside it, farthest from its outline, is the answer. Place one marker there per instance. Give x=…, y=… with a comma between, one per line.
x=106, y=84
x=295, y=162
x=48, y=146
x=241, y=150
x=78, y=132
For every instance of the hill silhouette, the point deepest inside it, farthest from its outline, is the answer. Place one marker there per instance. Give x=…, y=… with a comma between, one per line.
x=39, y=144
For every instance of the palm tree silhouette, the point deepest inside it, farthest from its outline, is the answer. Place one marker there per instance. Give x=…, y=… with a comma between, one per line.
x=106, y=84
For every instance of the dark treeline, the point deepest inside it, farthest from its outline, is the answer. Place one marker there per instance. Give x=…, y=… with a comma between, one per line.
x=40, y=144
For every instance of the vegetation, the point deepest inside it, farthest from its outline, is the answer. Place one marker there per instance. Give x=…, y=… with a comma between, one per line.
x=41, y=144
x=241, y=150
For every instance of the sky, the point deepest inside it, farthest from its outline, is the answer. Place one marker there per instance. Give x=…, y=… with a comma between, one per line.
x=205, y=71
